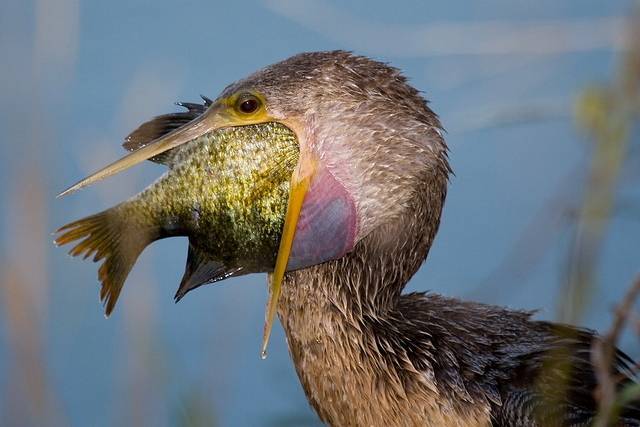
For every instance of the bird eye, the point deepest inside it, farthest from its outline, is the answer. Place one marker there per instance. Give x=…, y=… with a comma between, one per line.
x=248, y=104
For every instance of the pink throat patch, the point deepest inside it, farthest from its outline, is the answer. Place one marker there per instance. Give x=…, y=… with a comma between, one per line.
x=327, y=225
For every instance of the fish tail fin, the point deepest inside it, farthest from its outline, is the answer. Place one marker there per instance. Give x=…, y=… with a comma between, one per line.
x=109, y=236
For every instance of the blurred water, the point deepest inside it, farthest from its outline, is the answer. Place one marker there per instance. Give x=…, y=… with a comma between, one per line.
x=78, y=76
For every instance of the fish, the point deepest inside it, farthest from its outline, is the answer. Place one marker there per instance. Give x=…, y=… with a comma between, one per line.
x=226, y=190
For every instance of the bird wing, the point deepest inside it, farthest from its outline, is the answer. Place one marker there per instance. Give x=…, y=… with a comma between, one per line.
x=554, y=384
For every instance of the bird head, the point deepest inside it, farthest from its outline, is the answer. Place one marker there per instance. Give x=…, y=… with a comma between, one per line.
x=368, y=143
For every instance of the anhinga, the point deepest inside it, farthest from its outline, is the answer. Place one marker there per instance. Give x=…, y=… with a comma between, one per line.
x=364, y=207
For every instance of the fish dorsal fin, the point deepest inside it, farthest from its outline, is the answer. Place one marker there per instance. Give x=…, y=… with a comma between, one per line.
x=162, y=125
x=201, y=270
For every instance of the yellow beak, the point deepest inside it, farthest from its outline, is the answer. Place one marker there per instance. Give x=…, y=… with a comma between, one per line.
x=216, y=117
x=300, y=182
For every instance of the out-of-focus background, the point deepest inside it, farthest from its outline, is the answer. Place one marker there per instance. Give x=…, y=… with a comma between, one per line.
x=540, y=102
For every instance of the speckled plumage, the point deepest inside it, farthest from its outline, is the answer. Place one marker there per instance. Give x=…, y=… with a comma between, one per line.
x=367, y=355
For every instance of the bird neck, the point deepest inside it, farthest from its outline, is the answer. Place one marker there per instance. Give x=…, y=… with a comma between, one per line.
x=368, y=280
x=344, y=323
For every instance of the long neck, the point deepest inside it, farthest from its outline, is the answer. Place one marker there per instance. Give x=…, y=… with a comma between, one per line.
x=345, y=326
x=368, y=281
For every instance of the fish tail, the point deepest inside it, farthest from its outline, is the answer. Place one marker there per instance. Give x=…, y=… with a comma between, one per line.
x=108, y=235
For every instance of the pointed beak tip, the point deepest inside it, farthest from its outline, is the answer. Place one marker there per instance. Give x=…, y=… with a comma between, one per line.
x=299, y=186
x=64, y=193
x=158, y=146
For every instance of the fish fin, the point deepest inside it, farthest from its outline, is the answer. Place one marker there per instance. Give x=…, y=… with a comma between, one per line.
x=162, y=125
x=107, y=235
x=201, y=270
x=207, y=101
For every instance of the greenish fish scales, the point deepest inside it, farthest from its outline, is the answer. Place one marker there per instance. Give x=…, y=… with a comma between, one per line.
x=227, y=190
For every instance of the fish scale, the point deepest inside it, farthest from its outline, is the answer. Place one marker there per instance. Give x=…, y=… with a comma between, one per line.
x=226, y=190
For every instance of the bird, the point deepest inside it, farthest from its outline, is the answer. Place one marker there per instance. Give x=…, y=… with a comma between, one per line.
x=363, y=210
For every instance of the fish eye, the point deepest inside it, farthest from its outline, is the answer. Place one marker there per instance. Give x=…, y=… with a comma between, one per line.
x=247, y=104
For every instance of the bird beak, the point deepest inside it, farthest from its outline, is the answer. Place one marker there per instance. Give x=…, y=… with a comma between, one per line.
x=300, y=183
x=319, y=209
x=216, y=117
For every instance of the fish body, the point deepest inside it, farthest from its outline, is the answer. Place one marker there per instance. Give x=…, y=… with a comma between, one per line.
x=226, y=190
x=246, y=184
